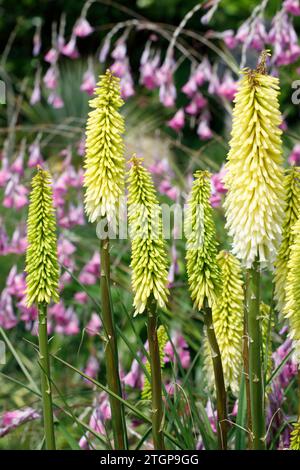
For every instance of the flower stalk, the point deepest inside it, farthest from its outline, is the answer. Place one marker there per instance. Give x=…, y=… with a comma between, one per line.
x=255, y=362
x=156, y=383
x=111, y=349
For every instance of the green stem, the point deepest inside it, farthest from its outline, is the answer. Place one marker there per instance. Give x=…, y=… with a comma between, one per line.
x=255, y=362
x=246, y=362
x=156, y=386
x=111, y=350
x=219, y=378
x=45, y=378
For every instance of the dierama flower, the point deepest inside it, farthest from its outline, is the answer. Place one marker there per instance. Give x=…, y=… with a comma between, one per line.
x=94, y=325
x=8, y=319
x=292, y=213
x=254, y=203
x=202, y=268
x=12, y=419
x=41, y=257
x=70, y=49
x=294, y=157
x=177, y=121
x=89, y=82
x=292, y=6
x=104, y=161
x=82, y=28
x=149, y=259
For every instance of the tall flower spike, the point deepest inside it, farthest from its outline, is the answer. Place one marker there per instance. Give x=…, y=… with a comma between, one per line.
x=292, y=212
x=149, y=259
x=255, y=199
x=202, y=268
x=228, y=319
x=41, y=257
x=292, y=306
x=104, y=161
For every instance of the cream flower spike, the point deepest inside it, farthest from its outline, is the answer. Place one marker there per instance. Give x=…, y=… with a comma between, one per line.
x=254, y=203
x=104, y=162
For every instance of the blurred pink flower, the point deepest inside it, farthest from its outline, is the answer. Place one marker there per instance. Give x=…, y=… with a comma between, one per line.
x=35, y=156
x=177, y=121
x=92, y=368
x=94, y=325
x=8, y=319
x=294, y=158
x=182, y=351
x=230, y=39
x=36, y=92
x=10, y=420
x=51, y=56
x=228, y=87
x=56, y=101
x=50, y=78
x=292, y=6
x=134, y=378
x=203, y=130
x=70, y=49
x=81, y=297
x=15, y=195
x=82, y=28
x=15, y=283
x=89, y=82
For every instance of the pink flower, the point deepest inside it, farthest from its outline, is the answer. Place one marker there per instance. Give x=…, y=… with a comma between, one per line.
x=166, y=188
x=35, y=156
x=215, y=200
x=8, y=319
x=89, y=82
x=50, y=78
x=177, y=121
x=182, y=351
x=197, y=103
x=92, y=368
x=82, y=28
x=18, y=164
x=149, y=68
x=94, y=325
x=134, y=378
x=65, y=319
x=28, y=314
x=15, y=195
x=70, y=49
x=104, y=51
x=18, y=243
x=56, y=101
x=294, y=158
x=81, y=297
x=204, y=131
x=15, y=283
x=36, y=92
x=12, y=419
x=167, y=94
x=4, y=172
x=37, y=44
x=229, y=39
x=292, y=6
x=228, y=87
x=51, y=56
x=120, y=51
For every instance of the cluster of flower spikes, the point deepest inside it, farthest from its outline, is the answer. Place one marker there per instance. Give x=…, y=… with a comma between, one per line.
x=254, y=203
x=41, y=256
x=202, y=267
x=292, y=212
x=295, y=437
x=162, y=339
x=228, y=319
x=149, y=258
x=104, y=162
x=292, y=292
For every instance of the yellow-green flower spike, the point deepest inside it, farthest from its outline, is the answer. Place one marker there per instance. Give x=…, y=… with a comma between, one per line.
x=162, y=339
x=104, y=160
x=254, y=202
x=41, y=256
x=228, y=319
x=202, y=267
x=149, y=258
x=295, y=437
x=292, y=212
x=292, y=293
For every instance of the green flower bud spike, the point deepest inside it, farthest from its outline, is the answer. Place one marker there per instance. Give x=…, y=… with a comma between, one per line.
x=292, y=213
x=104, y=181
x=42, y=280
x=204, y=280
x=228, y=318
x=104, y=176
x=149, y=275
x=295, y=437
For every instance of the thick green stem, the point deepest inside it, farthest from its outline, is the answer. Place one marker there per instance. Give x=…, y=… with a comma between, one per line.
x=156, y=387
x=255, y=362
x=246, y=363
x=111, y=350
x=45, y=378
x=219, y=378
